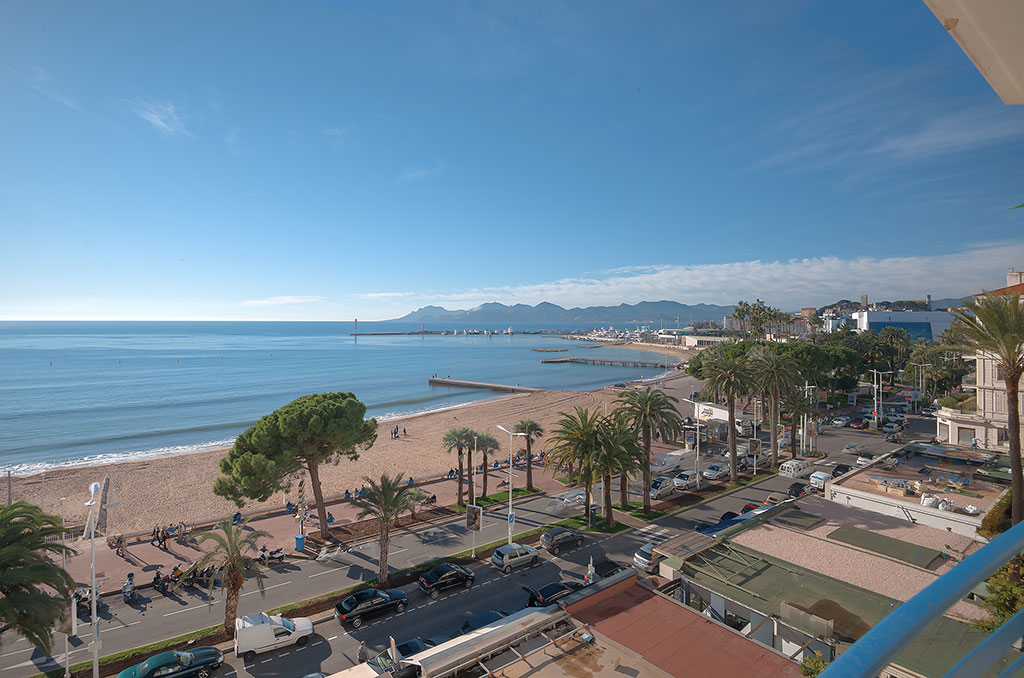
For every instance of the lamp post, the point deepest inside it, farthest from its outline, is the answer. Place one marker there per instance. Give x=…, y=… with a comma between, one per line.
x=510, y=437
x=922, y=378
x=74, y=605
x=93, y=489
x=877, y=383
x=696, y=453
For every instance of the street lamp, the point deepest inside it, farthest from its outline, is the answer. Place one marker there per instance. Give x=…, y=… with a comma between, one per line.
x=696, y=454
x=922, y=378
x=876, y=381
x=510, y=514
x=93, y=489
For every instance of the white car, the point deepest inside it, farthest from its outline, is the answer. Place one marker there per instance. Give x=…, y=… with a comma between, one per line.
x=865, y=459
x=841, y=422
x=716, y=471
x=662, y=486
x=684, y=480
x=892, y=427
x=262, y=632
x=645, y=559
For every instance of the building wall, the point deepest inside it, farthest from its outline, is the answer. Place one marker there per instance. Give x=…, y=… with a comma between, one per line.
x=920, y=324
x=990, y=420
x=890, y=506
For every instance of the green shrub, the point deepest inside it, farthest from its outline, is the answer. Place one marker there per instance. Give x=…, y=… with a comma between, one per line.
x=997, y=520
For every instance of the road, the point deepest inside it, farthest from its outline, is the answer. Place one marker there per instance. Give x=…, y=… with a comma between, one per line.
x=333, y=648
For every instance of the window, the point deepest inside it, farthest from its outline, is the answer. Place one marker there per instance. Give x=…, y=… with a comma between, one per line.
x=281, y=632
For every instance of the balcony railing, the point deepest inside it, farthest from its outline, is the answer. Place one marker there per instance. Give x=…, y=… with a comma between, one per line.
x=883, y=643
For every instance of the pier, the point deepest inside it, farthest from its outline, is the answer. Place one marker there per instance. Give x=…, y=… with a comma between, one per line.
x=549, y=350
x=461, y=383
x=608, y=361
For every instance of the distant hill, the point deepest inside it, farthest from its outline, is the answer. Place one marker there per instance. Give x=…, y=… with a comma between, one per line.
x=545, y=312
x=844, y=306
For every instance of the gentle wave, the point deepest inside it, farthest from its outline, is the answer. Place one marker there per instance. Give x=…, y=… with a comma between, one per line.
x=31, y=468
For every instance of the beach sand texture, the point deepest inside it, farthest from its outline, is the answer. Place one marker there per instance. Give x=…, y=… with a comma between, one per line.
x=178, y=488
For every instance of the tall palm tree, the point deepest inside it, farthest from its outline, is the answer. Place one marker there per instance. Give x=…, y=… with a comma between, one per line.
x=994, y=326
x=532, y=430
x=456, y=439
x=26, y=540
x=728, y=376
x=774, y=373
x=386, y=501
x=486, y=444
x=617, y=452
x=649, y=413
x=233, y=557
x=573, y=443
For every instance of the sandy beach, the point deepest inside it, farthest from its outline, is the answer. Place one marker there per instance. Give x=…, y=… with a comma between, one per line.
x=178, y=488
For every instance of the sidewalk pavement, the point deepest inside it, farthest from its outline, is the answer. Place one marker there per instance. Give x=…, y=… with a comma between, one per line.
x=144, y=558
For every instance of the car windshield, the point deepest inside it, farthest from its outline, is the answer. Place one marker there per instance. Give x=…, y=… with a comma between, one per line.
x=185, y=658
x=656, y=484
x=288, y=624
x=646, y=552
x=503, y=551
x=433, y=575
x=349, y=604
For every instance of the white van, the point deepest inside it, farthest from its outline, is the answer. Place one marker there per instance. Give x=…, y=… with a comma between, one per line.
x=256, y=633
x=796, y=468
x=819, y=478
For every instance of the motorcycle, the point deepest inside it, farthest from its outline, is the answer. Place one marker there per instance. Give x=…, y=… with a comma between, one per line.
x=203, y=578
x=128, y=588
x=162, y=582
x=81, y=598
x=264, y=556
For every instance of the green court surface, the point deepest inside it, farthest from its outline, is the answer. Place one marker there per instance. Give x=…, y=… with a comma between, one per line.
x=799, y=520
x=886, y=546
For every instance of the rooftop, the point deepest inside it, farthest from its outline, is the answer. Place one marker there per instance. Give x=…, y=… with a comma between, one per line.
x=674, y=638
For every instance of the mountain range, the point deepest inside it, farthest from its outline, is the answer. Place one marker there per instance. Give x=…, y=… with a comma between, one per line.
x=545, y=312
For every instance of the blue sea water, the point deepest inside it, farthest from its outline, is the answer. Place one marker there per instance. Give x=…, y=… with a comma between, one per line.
x=92, y=392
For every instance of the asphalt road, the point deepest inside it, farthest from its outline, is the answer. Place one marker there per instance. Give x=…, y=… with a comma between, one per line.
x=333, y=648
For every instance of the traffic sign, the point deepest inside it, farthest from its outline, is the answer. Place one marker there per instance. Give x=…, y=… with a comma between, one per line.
x=511, y=518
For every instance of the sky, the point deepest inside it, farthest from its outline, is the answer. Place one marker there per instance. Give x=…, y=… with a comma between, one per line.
x=339, y=160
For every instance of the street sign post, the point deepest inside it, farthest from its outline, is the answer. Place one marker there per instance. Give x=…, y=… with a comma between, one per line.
x=512, y=519
x=473, y=517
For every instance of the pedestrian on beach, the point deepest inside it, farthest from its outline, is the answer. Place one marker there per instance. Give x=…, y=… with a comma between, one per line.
x=404, y=434
x=154, y=537
x=362, y=654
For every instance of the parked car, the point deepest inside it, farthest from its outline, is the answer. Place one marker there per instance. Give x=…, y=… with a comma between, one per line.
x=796, y=489
x=200, y=662
x=773, y=499
x=256, y=633
x=607, y=568
x=716, y=471
x=416, y=645
x=755, y=461
x=841, y=422
x=558, y=538
x=684, y=480
x=367, y=603
x=644, y=558
x=741, y=462
x=840, y=469
x=445, y=576
x=865, y=459
x=662, y=486
x=701, y=526
x=728, y=515
x=510, y=556
x=481, y=620
x=748, y=507
x=859, y=423
x=927, y=411
x=548, y=594
x=892, y=428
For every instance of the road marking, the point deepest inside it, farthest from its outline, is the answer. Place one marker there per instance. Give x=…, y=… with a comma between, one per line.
x=229, y=673
x=398, y=551
x=284, y=654
x=249, y=666
x=299, y=649
x=267, y=660
x=332, y=638
x=123, y=626
x=319, y=642
x=333, y=569
x=186, y=609
x=421, y=606
x=27, y=649
x=265, y=588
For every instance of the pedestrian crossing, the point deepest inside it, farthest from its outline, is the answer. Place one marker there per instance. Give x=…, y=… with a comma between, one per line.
x=654, y=533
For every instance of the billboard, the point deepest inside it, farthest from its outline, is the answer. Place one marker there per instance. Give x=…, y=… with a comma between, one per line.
x=473, y=513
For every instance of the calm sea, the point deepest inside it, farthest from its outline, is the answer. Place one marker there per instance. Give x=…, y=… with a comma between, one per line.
x=92, y=392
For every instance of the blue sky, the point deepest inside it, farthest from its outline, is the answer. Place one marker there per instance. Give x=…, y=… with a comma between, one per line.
x=330, y=160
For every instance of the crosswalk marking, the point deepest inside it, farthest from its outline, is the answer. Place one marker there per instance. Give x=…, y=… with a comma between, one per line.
x=652, y=532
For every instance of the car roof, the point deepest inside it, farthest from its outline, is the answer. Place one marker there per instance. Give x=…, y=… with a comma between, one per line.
x=557, y=530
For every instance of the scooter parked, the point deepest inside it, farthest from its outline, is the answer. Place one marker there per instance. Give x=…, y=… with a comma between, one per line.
x=128, y=589
x=264, y=556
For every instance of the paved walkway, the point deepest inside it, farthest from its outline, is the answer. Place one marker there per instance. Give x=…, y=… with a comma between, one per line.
x=144, y=558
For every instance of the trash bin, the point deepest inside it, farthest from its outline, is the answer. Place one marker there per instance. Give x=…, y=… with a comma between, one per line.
x=300, y=542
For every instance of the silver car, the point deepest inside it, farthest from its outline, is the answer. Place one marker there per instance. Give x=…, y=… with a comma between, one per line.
x=513, y=555
x=684, y=480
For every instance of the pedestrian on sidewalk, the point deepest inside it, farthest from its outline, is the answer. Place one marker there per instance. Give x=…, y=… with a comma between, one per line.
x=154, y=538
x=165, y=534
x=362, y=654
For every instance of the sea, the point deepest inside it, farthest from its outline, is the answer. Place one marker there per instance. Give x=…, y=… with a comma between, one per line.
x=84, y=393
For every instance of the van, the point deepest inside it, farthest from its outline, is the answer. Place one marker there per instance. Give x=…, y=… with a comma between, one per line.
x=796, y=468
x=262, y=632
x=819, y=478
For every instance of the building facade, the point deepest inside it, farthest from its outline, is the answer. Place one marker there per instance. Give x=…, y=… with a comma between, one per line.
x=919, y=324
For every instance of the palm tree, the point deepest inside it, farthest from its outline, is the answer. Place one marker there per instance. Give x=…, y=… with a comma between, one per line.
x=486, y=444
x=26, y=540
x=532, y=430
x=728, y=376
x=386, y=501
x=774, y=373
x=456, y=439
x=233, y=557
x=994, y=326
x=650, y=413
x=574, y=442
x=617, y=452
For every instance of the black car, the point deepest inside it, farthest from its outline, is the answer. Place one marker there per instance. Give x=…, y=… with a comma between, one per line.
x=481, y=620
x=728, y=515
x=697, y=527
x=607, y=568
x=796, y=489
x=445, y=576
x=839, y=470
x=369, y=603
x=417, y=645
x=558, y=538
x=199, y=662
x=548, y=594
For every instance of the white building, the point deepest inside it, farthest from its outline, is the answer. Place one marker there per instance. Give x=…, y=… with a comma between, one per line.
x=920, y=324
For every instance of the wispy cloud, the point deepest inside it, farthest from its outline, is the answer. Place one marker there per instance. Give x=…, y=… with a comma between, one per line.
x=41, y=81
x=790, y=283
x=280, y=301
x=337, y=136
x=383, y=296
x=163, y=116
x=419, y=173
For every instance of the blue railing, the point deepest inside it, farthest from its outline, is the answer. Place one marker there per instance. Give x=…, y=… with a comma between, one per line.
x=878, y=647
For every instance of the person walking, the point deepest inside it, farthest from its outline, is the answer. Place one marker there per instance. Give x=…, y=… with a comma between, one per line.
x=362, y=654
x=154, y=538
